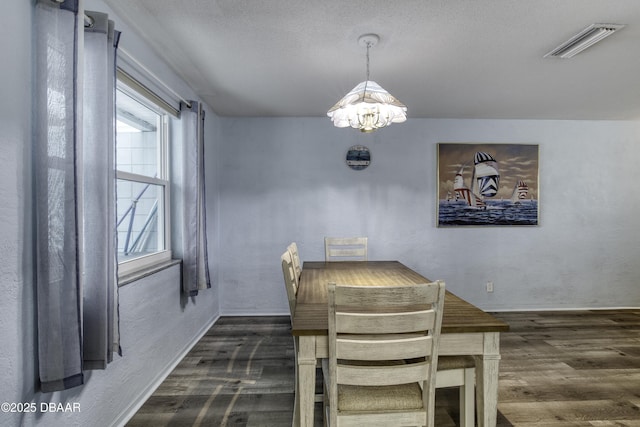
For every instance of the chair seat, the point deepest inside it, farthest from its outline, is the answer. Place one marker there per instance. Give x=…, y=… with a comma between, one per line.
x=455, y=362
x=379, y=398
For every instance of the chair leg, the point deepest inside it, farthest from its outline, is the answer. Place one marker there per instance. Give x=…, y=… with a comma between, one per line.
x=325, y=404
x=296, y=398
x=467, y=399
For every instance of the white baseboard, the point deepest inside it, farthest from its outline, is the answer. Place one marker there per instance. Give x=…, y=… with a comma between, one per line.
x=511, y=310
x=238, y=313
x=131, y=410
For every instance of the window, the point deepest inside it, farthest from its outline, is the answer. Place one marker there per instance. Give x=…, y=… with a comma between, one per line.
x=142, y=144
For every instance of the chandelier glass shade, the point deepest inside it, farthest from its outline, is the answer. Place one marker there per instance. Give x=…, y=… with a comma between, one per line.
x=368, y=106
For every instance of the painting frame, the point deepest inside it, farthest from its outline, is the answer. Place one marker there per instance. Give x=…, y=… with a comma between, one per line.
x=487, y=184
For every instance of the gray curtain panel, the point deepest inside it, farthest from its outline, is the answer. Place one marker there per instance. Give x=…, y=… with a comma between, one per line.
x=74, y=177
x=57, y=250
x=97, y=202
x=195, y=264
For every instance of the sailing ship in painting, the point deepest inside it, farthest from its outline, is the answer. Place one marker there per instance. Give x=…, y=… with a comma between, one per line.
x=477, y=204
x=520, y=192
x=484, y=181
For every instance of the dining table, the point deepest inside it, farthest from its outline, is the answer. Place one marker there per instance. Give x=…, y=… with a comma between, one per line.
x=466, y=329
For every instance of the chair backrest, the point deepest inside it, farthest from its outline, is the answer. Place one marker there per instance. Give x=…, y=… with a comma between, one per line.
x=295, y=257
x=289, y=281
x=345, y=248
x=384, y=336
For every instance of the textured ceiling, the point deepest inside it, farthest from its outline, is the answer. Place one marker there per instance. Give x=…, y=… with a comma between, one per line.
x=442, y=58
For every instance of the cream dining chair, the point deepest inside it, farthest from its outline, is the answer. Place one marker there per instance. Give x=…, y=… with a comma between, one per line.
x=295, y=258
x=291, y=285
x=345, y=248
x=383, y=352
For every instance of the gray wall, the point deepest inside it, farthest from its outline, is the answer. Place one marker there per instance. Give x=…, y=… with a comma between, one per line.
x=286, y=180
x=158, y=325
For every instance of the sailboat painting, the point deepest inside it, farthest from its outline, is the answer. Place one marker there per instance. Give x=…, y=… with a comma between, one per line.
x=487, y=184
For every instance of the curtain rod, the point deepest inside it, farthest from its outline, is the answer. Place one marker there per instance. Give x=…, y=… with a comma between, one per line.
x=156, y=78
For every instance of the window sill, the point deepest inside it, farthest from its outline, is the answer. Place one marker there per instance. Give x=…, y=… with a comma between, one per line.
x=137, y=275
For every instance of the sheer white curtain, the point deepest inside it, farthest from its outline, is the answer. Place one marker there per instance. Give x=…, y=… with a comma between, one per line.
x=195, y=264
x=55, y=137
x=73, y=189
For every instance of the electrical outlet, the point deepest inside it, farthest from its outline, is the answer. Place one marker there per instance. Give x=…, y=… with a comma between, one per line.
x=489, y=287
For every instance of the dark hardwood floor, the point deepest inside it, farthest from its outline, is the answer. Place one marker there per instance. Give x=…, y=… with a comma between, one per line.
x=558, y=369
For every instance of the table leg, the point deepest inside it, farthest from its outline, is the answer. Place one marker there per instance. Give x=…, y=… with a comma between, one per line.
x=296, y=400
x=306, y=379
x=487, y=369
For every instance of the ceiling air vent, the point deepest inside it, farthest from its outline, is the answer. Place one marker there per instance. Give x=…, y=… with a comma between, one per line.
x=584, y=39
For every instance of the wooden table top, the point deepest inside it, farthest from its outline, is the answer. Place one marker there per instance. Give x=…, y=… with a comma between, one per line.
x=310, y=317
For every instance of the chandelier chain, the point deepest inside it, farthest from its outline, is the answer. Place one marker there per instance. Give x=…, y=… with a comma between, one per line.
x=368, y=46
x=367, y=80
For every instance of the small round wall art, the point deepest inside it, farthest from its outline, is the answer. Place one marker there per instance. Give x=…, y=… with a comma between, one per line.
x=358, y=157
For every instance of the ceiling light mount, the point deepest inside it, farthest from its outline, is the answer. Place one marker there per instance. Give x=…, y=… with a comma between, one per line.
x=367, y=106
x=586, y=38
x=368, y=40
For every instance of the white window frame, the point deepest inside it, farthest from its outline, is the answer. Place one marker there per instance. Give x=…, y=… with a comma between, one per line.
x=145, y=262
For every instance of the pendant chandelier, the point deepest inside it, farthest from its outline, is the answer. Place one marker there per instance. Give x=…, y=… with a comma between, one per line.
x=368, y=106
